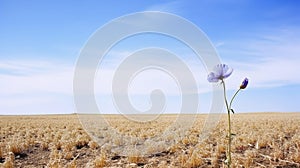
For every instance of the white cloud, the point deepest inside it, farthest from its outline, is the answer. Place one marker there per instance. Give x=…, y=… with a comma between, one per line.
x=21, y=77
x=269, y=59
x=35, y=87
x=150, y=79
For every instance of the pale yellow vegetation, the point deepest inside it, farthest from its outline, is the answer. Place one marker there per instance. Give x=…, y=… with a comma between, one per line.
x=262, y=140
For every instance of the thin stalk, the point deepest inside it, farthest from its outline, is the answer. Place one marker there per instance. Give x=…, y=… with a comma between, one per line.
x=229, y=127
x=233, y=98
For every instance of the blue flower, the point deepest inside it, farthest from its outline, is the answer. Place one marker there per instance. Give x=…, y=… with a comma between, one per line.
x=220, y=72
x=244, y=83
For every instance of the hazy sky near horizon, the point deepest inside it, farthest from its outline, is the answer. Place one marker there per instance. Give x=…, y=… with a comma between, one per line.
x=40, y=42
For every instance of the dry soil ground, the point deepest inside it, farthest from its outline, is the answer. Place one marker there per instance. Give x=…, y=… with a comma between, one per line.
x=262, y=140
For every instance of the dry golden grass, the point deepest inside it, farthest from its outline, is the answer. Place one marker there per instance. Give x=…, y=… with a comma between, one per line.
x=262, y=140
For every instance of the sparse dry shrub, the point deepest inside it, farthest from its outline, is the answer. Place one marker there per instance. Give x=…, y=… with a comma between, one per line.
x=68, y=155
x=45, y=146
x=151, y=148
x=237, y=162
x=155, y=147
x=175, y=148
x=8, y=164
x=1, y=153
x=93, y=145
x=30, y=141
x=55, y=154
x=215, y=160
x=55, y=157
x=100, y=161
x=296, y=156
x=58, y=145
x=15, y=147
x=68, y=146
x=54, y=163
x=9, y=161
x=163, y=164
x=182, y=159
x=195, y=160
x=82, y=141
x=263, y=143
x=134, y=157
x=277, y=154
x=193, y=139
x=250, y=155
x=118, y=141
x=185, y=141
x=72, y=164
x=106, y=147
x=221, y=148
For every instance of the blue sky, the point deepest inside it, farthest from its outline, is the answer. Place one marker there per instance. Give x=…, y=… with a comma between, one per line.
x=40, y=42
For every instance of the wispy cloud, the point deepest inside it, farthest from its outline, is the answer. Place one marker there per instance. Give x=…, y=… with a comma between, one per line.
x=30, y=76
x=24, y=67
x=35, y=87
x=268, y=59
x=172, y=7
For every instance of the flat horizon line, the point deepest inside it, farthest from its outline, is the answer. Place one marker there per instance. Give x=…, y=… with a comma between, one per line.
x=66, y=114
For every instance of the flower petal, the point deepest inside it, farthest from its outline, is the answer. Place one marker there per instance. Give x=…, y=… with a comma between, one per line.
x=218, y=70
x=212, y=77
x=228, y=72
x=224, y=69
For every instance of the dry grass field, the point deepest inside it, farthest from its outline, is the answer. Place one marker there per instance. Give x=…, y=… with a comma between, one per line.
x=262, y=140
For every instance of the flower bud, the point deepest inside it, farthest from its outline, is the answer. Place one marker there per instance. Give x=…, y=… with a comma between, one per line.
x=244, y=83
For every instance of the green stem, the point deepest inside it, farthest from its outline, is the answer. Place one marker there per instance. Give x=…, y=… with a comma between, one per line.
x=233, y=98
x=229, y=127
